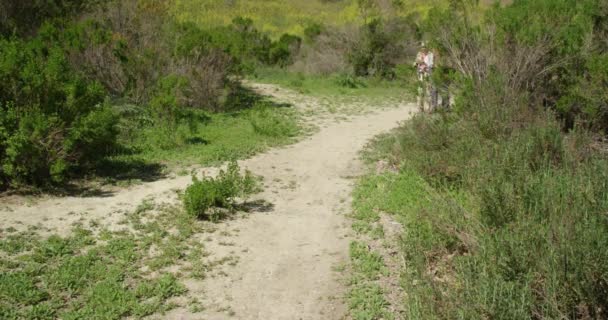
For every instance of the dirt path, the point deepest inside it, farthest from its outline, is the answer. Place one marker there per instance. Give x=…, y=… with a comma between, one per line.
x=288, y=255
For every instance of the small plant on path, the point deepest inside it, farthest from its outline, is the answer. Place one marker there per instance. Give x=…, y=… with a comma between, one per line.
x=205, y=195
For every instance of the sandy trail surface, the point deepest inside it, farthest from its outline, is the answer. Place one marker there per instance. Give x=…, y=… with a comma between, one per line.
x=289, y=253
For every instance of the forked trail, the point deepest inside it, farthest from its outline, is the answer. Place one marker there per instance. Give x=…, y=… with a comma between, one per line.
x=288, y=257
x=289, y=254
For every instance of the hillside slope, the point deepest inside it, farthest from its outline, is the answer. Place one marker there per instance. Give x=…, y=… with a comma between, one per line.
x=288, y=16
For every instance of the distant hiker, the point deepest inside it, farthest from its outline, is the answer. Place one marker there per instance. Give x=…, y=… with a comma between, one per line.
x=425, y=62
x=421, y=62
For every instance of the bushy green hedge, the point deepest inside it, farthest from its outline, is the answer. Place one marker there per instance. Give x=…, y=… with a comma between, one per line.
x=52, y=120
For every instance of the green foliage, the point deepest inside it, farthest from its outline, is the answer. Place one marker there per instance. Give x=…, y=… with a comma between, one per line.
x=166, y=104
x=563, y=66
x=271, y=122
x=53, y=121
x=504, y=207
x=368, y=264
x=96, y=274
x=245, y=43
x=366, y=298
x=348, y=81
x=312, y=32
x=507, y=216
x=367, y=57
x=208, y=193
x=200, y=137
x=55, y=124
x=23, y=17
x=382, y=44
x=588, y=97
x=367, y=302
x=282, y=51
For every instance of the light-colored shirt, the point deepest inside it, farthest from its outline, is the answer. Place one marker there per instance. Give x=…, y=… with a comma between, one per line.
x=429, y=60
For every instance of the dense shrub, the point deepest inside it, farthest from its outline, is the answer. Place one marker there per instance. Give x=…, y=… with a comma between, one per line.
x=511, y=224
x=588, y=97
x=282, y=51
x=64, y=62
x=206, y=194
x=24, y=17
x=130, y=47
x=52, y=120
x=249, y=46
x=547, y=52
x=312, y=31
x=381, y=46
x=525, y=231
x=328, y=53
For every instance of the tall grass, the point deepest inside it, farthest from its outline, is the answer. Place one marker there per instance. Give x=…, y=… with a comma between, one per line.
x=508, y=227
x=505, y=208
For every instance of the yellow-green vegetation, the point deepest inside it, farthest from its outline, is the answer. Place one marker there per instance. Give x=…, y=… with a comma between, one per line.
x=292, y=16
x=275, y=17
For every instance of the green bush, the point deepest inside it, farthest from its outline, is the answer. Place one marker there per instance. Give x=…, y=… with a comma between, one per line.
x=248, y=45
x=312, y=31
x=559, y=41
x=272, y=122
x=381, y=46
x=207, y=193
x=167, y=103
x=283, y=51
x=589, y=97
x=52, y=120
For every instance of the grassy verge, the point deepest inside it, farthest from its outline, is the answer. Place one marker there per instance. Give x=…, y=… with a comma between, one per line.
x=131, y=271
x=96, y=273
x=505, y=227
x=366, y=297
x=388, y=193
x=335, y=85
x=225, y=136
x=200, y=139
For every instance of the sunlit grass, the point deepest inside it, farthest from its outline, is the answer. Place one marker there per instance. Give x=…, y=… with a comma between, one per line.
x=285, y=16
x=332, y=86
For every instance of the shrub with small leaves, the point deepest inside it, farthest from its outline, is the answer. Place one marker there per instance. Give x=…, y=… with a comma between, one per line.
x=208, y=193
